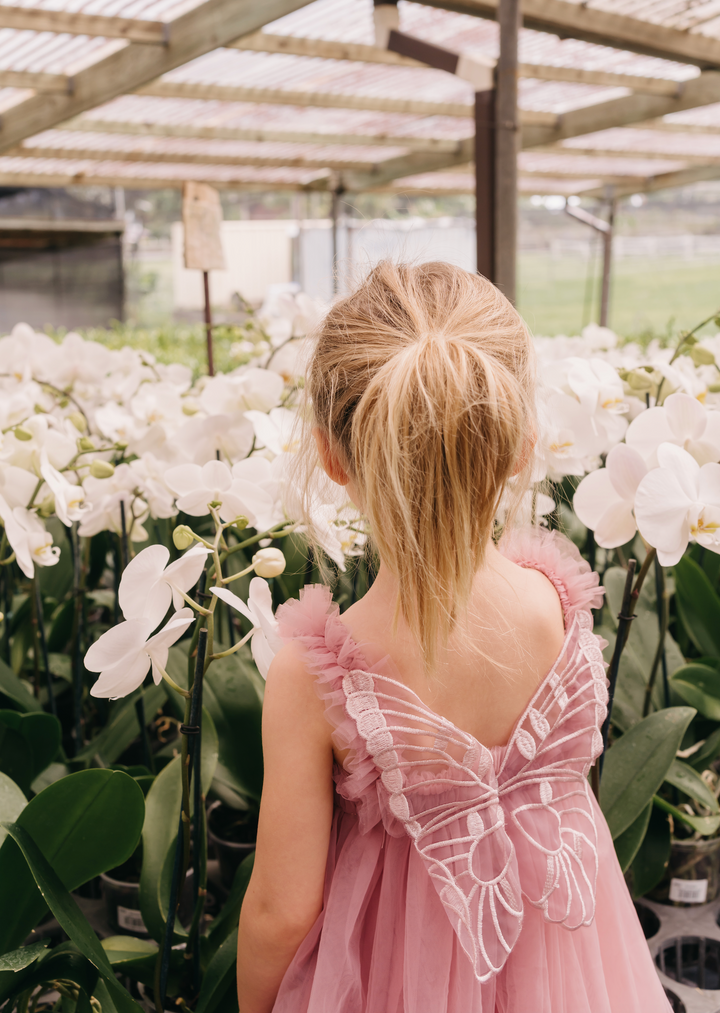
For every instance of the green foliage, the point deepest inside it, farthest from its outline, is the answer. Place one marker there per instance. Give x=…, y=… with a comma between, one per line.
x=698, y=606
x=638, y=763
x=28, y=743
x=628, y=842
x=683, y=776
x=83, y=825
x=653, y=855
x=16, y=692
x=699, y=685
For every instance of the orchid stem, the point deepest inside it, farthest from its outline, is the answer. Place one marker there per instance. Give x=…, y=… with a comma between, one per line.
x=240, y=643
x=236, y=576
x=191, y=602
x=173, y=684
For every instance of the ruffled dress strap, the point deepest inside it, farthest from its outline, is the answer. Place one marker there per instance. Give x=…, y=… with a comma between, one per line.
x=313, y=621
x=560, y=561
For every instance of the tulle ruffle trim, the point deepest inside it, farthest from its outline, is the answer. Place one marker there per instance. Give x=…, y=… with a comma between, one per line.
x=536, y=548
x=330, y=652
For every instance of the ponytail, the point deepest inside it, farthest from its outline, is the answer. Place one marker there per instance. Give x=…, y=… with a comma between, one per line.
x=423, y=380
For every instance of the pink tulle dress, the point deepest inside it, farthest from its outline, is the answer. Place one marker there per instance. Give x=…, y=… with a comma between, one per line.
x=462, y=879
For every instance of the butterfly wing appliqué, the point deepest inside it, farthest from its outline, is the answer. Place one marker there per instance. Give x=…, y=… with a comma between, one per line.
x=439, y=784
x=543, y=784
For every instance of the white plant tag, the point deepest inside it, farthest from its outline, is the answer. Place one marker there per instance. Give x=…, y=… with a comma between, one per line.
x=689, y=891
x=132, y=920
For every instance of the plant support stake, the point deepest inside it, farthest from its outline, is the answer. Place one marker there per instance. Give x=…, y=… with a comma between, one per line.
x=625, y=618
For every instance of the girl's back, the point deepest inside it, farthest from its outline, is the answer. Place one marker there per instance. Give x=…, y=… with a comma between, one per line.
x=428, y=841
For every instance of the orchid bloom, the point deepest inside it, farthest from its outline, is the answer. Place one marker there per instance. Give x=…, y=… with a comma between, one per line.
x=567, y=438
x=681, y=420
x=69, y=499
x=197, y=487
x=31, y=543
x=124, y=654
x=265, y=641
x=149, y=585
x=605, y=498
x=276, y=430
x=678, y=501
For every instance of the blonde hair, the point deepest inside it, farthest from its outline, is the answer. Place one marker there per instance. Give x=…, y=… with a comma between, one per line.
x=423, y=380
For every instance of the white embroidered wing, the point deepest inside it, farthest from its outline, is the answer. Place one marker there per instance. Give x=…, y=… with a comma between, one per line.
x=438, y=783
x=543, y=785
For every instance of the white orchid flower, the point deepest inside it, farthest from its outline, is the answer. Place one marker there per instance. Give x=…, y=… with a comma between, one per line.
x=596, y=385
x=69, y=499
x=257, y=389
x=106, y=495
x=148, y=585
x=265, y=641
x=197, y=487
x=605, y=498
x=31, y=543
x=567, y=439
x=270, y=477
x=677, y=501
x=124, y=654
x=276, y=431
x=681, y=420
x=229, y=435
x=16, y=485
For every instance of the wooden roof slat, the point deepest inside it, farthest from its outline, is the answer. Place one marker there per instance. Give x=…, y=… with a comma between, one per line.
x=36, y=19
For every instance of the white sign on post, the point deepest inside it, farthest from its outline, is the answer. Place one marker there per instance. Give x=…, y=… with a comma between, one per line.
x=202, y=218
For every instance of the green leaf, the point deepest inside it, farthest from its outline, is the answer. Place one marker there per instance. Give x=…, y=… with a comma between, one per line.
x=682, y=776
x=162, y=812
x=16, y=691
x=636, y=765
x=651, y=861
x=705, y=825
x=628, y=842
x=698, y=606
x=123, y=950
x=68, y=914
x=15, y=756
x=14, y=963
x=56, y=581
x=42, y=732
x=136, y=959
x=227, y=920
x=63, y=961
x=219, y=975
x=635, y=665
x=12, y=802
x=123, y=726
x=699, y=685
x=84, y=824
x=232, y=693
x=707, y=752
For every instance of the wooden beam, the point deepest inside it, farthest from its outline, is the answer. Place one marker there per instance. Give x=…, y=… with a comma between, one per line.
x=38, y=82
x=700, y=91
x=325, y=100
x=286, y=97
x=603, y=28
x=265, y=42
x=86, y=125
x=676, y=128
x=195, y=158
x=663, y=181
x=629, y=152
x=35, y=19
x=104, y=178
x=404, y=165
x=206, y=27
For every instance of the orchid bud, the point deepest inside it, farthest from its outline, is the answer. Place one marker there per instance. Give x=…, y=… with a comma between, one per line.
x=190, y=407
x=47, y=507
x=638, y=381
x=183, y=537
x=241, y=522
x=215, y=504
x=79, y=421
x=121, y=445
x=101, y=469
x=268, y=563
x=702, y=356
x=63, y=402
x=22, y=434
x=2, y=616
x=85, y=445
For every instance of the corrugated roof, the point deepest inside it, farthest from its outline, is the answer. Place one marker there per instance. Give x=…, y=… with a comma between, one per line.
x=102, y=145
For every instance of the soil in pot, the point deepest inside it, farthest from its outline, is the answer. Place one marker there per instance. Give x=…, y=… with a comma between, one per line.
x=693, y=874
x=233, y=833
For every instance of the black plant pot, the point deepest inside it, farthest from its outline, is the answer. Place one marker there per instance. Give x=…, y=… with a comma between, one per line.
x=233, y=833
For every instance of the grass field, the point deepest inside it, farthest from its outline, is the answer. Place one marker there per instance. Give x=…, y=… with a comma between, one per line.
x=646, y=295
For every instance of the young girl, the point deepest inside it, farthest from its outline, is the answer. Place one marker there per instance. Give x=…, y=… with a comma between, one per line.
x=428, y=840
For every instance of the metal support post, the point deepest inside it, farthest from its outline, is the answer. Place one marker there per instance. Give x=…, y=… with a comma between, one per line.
x=607, y=265
x=506, y=148
x=485, y=182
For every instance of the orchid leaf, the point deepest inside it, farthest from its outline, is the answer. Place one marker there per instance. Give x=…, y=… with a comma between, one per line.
x=682, y=776
x=42, y=733
x=629, y=841
x=219, y=975
x=15, y=691
x=123, y=726
x=12, y=802
x=699, y=685
x=68, y=914
x=84, y=824
x=15, y=967
x=637, y=764
x=653, y=855
x=698, y=606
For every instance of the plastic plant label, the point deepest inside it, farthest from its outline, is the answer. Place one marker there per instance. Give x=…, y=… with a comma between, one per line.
x=132, y=920
x=689, y=891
